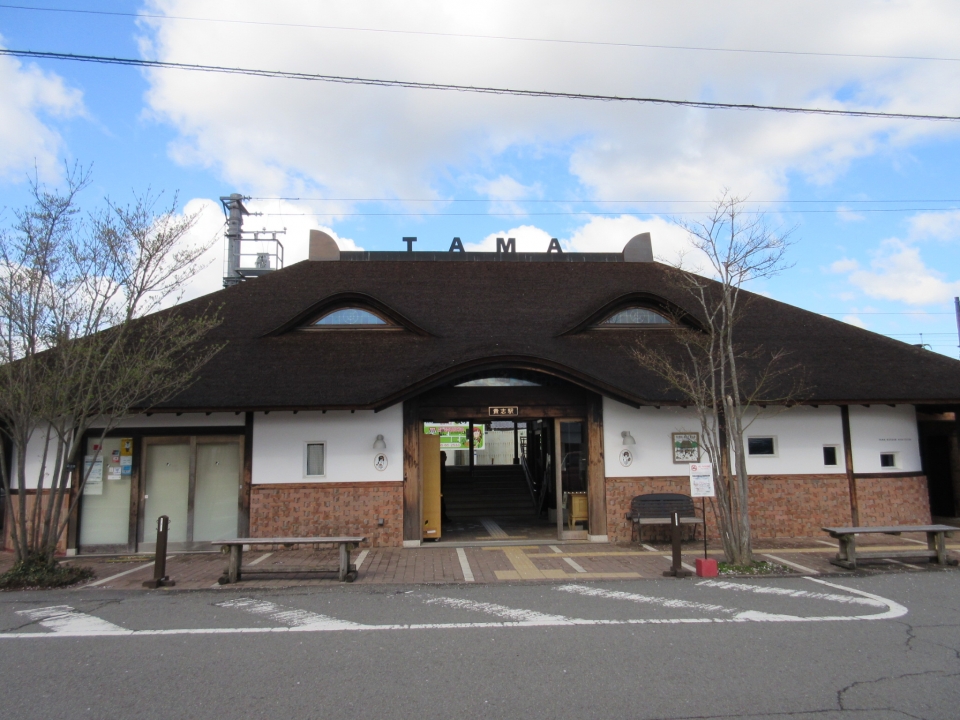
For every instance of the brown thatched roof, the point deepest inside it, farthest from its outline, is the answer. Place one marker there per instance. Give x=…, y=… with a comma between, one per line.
x=476, y=312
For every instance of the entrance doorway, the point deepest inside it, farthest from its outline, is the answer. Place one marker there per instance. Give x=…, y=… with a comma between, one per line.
x=523, y=480
x=522, y=460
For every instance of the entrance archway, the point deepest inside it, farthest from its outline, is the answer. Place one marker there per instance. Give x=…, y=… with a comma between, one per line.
x=524, y=468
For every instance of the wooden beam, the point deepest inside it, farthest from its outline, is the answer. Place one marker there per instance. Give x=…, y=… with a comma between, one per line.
x=848, y=461
x=246, y=476
x=412, y=524
x=596, y=470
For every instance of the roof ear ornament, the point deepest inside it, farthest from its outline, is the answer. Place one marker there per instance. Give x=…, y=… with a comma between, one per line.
x=323, y=247
x=639, y=249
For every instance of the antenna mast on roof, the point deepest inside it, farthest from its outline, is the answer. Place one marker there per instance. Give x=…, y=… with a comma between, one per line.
x=268, y=251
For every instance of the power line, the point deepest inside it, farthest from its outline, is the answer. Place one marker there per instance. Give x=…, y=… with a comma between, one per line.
x=494, y=213
x=572, y=201
x=511, y=38
x=408, y=84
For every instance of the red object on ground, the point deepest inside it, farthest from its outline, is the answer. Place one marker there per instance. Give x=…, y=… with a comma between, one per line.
x=707, y=567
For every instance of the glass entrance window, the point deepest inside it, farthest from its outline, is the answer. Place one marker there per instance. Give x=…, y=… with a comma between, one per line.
x=196, y=483
x=573, y=467
x=105, y=505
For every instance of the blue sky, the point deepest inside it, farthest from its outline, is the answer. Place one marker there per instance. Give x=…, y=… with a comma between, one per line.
x=875, y=203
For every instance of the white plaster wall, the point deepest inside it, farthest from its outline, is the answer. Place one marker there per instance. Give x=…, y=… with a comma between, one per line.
x=800, y=434
x=280, y=437
x=651, y=428
x=35, y=459
x=881, y=428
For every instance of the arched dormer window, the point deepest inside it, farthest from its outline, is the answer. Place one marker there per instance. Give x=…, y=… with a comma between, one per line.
x=635, y=317
x=349, y=317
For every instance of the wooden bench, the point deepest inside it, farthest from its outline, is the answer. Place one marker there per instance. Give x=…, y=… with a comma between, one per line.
x=235, y=572
x=848, y=555
x=658, y=509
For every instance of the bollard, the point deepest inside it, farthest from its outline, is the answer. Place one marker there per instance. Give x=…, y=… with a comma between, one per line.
x=160, y=578
x=676, y=569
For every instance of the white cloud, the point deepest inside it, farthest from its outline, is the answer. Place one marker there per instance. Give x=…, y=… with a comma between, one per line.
x=30, y=97
x=854, y=320
x=897, y=272
x=844, y=266
x=935, y=225
x=504, y=192
x=270, y=136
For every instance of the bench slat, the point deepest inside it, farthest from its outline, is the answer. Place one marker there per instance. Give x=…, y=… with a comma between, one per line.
x=886, y=530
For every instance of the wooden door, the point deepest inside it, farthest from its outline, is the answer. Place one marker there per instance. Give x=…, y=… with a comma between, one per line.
x=430, y=467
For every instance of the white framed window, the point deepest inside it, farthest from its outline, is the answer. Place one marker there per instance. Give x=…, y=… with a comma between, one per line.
x=314, y=459
x=762, y=446
x=889, y=460
x=830, y=455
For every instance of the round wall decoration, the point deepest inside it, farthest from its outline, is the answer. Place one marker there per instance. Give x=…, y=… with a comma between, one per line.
x=626, y=458
x=380, y=461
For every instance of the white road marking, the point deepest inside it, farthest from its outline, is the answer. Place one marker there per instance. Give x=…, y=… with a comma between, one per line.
x=918, y=542
x=361, y=557
x=465, y=565
x=493, y=530
x=590, y=591
x=650, y=548
x=801, y=568
x=259, y=559
x=291, y=617
x=68, y=623
x=556, y=549
x=120, y=575
x=786, y=592
x=894, y=610
x=64, y=620
x=828, y=544
x=524, y=617
x=575, y=565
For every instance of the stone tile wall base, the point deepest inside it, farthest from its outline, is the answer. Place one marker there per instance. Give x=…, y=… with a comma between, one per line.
x=785, y=505
x=318, y=510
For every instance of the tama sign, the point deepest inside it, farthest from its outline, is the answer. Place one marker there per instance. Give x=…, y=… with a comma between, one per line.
x=504, y=411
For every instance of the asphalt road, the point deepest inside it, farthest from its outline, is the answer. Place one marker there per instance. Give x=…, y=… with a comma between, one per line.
x=884, y=646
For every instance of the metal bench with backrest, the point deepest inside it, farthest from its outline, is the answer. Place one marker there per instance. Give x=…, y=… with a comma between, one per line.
x=658, y=508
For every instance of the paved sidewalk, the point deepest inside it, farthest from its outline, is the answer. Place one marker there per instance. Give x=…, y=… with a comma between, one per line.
x=486, y=563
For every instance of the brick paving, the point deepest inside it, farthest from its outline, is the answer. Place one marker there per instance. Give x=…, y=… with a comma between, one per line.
x=487, y=564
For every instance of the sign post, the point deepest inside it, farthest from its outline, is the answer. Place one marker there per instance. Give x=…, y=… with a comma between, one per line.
x=701, y=486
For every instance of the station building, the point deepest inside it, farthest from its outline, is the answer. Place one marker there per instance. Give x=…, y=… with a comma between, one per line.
x=416, y=397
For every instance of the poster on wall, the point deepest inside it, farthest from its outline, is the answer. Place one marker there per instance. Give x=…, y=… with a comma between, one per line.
x=94, y=471
x=686, y=447
x=453, y=436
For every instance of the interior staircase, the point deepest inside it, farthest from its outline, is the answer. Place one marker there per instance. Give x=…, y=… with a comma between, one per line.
x=492, y=491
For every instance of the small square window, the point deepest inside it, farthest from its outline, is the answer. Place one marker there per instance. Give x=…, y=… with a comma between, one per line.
x=888, y=460
x=761, y=446
x=829, y=454
x=314, y=461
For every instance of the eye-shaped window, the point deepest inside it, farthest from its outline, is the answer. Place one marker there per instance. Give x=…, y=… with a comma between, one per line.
x=349, y=317
x=635, y=316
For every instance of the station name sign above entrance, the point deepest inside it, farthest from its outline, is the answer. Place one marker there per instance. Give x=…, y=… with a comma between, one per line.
x=512, y=411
